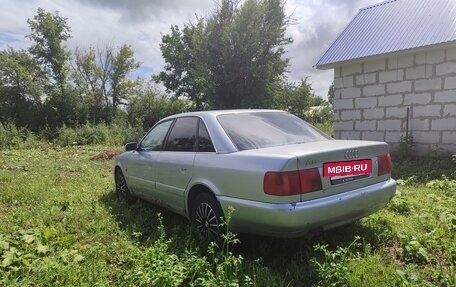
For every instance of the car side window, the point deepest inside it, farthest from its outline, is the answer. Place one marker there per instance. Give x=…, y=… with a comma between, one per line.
x=154, y=139
x=204, y=141
x=183, y=135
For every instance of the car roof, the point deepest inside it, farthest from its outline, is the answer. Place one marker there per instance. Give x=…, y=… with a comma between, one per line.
x=214, y=113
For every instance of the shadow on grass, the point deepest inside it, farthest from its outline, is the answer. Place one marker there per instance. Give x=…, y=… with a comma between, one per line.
x=140, y=220
x=282, y=258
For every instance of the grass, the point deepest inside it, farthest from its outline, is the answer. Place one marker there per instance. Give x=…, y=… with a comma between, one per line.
x=61, y=225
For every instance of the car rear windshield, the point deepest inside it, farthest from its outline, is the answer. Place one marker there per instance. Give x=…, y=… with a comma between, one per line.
x=266, y=129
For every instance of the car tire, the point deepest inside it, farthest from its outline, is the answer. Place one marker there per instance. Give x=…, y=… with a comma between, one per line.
x=207, y=217
x=122, y=191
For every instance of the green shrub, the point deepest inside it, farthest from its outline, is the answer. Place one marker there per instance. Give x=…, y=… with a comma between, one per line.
x=13, y=137
x=99, y=134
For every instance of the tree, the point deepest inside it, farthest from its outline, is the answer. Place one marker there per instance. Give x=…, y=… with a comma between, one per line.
x=296, y=98
x=331, y=93
x=186, y=70
x=229, y=59
x=22, y=85
x=101, y=78
x=149, y=106
x=49, y=32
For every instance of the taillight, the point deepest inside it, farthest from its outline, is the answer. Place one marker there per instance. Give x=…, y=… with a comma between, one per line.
x=310, y=180
x=283, y=183
x=385, y=165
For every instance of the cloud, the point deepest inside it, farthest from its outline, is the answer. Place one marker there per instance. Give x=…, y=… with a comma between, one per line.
x=140, y=23
x=140, y=11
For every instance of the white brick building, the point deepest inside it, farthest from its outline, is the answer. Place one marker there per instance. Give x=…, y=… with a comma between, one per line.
x=394, y=59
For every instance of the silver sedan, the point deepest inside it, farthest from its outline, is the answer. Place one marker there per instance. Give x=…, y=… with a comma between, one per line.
x=282, y=176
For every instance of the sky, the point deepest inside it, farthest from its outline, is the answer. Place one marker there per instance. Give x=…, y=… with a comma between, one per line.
x=141, y=23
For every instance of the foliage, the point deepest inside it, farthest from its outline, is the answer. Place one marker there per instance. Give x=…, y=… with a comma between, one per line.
x=101, y=78
x=444, y=184
x=331, y=94
x=418, y=170
x=295, y=98
x=229, y=59
x=49, y=32
x=13, y=137
x=61, y=224
x=21, y=88
x=149, y=106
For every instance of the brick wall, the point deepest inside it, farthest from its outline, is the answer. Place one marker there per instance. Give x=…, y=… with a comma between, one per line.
x=371, y=99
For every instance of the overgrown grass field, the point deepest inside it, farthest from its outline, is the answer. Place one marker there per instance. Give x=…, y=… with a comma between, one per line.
x=62, y=225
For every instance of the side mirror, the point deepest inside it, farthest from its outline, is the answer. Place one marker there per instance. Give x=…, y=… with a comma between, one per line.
x=131, y=146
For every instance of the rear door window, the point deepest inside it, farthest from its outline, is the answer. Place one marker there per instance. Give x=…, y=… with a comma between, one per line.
x=183, y=135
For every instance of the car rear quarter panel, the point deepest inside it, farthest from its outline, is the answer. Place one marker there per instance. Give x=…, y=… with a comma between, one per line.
x=240, y=174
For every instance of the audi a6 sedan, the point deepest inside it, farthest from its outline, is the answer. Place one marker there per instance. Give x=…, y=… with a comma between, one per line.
x=282, y=176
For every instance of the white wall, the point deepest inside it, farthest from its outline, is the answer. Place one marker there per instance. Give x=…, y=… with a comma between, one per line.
x=372, y=97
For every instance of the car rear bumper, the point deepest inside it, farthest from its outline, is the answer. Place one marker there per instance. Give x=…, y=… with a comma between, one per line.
x=296, y=219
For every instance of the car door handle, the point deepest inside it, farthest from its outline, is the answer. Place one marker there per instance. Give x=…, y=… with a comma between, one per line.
x=183, y=170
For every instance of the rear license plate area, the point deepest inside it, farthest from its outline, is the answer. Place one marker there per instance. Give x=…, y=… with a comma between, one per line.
x=345, y=171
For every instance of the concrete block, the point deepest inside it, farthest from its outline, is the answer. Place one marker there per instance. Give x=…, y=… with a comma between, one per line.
x=418, y=72
x=445, y=97
x=336, y=116
x=450, y=83
x=375, y=113
x=350, y=135
x=338, y=83
x=449, y=137
x=343, y=125
x=430, y=71
x=447, y=124
x=405, y=61
x=348, y=81
x=418, y=125
x=428, y=84
x=392, y=100
x=393, y=137
x=348, y=70
x=451, y=53
x=368, y=102
x=374, y=65
x=426, y=111
x=373, y=136
x=445, y=68
x=420, y=58
x=336, y=135
x=350, y=115
x=343, y=104
x=392, y=63
x=389, y=125
x=337, y=72
x=347, y=93
x=400, y=87
x=365, y=79
x=412, y=99
x=426, y=137
x=373, y=90
x=396, y=112
x=391, y=76
x=366, y=125
x=449, y=110
x=337, y=93
x=435, y=56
